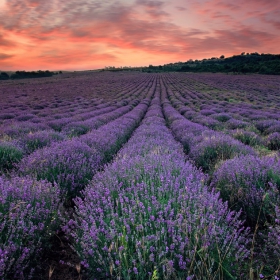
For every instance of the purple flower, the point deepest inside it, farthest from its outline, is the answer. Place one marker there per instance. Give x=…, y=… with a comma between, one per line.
x=28, y=218
x=135, y=270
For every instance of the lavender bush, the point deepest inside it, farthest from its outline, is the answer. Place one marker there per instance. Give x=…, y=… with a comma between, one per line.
x=7, y=116
x=207, y=112
x=265, y=125
x=57, y=125
x=25, y=117
x=38, y=140
x=265, y=257
x=71, y=164
x=221, y=117
x=216, y=148
x=270, y=254
x=29, y=215
x=10, y=155
x=75, y=129
x=234, y=124
x=17, y=130
x=251, y=184
x=207, y=121
x=273, y=141
x=247, y=137
x=274, y=128
x=82, y=127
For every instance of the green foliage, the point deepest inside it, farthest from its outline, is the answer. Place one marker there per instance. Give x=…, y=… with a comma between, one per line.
x=252, y=184
x=247, y=137
x=273, y=141
x=32, y=74
x=4, y=76
x=9, y=156
x=251, y=63
x=242, y=64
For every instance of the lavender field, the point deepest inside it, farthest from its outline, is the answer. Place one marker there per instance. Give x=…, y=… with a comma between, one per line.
x=140, y=176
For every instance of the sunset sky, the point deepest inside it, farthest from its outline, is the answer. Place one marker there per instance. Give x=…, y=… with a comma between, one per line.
x=92, y=34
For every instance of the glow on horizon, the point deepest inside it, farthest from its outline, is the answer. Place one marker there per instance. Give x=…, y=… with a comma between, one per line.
x=92, y=34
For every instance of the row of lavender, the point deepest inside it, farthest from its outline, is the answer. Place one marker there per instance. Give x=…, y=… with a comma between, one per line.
x=30, y=208
x=252, y=92
x=246, y=181
x=56, y=98
x=68, y=112
x=149, y=215
x=254, y=125
x=253, y=88
x=27, y=138
x=72, y=163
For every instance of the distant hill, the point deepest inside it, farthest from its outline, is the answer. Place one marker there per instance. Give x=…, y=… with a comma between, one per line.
x=243, y=63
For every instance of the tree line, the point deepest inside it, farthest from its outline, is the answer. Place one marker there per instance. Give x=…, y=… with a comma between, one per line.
x=236, y=64
x=26, y=74
x=241, y=64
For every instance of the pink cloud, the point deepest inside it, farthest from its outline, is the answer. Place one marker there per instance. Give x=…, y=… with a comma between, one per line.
x=6, y=43
x=87, y=33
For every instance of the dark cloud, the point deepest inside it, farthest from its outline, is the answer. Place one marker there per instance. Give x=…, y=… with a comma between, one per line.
x=229, y=6
x=153, y=8
x=4, y=56
x=245, y=37
x=181, y=9
x=150, y=4
x=41, y=15
x=276, y=24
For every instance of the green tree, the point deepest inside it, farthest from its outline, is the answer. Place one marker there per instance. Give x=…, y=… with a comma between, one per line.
x=4, y=76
